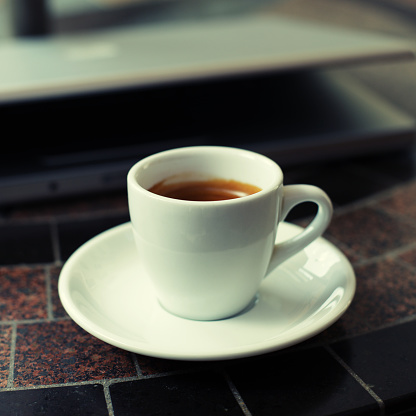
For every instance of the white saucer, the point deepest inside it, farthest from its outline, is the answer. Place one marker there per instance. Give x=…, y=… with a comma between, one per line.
x=101, y=288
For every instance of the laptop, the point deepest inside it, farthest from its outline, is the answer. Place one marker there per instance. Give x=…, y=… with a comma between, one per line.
x=91, y=104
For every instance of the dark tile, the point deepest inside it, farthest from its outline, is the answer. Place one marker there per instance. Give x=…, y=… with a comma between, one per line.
x=73, y=234
x=410, y=412
x=25, y=243
x=151, y=366
x=402, y=201
x=58, y=310
x=369, y=232
x=5, y=340
x=62, y=352
x=386, y=360
x=202, y=394
x=23, y=293
x=300, y=383
x=85, y=400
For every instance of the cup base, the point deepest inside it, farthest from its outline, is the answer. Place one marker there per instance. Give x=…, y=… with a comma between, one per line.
x=246, y=309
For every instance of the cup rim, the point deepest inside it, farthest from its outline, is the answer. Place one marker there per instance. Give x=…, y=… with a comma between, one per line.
x=133, y=183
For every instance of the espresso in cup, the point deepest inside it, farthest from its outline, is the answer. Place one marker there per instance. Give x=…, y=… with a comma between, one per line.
x=216, y=189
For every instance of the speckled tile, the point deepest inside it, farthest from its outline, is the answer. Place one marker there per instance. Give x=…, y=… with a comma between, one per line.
x=61, y=352
x=409, y=257
x=370, y=232
x=392, y=285
x=347, y=251
x=386, y=293
x=58, y=310
x=402, y=201
x=5, y=340
x=23, y=293
x=351, y=255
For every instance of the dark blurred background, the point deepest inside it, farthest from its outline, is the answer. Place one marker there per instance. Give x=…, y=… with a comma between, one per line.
x=85, y=141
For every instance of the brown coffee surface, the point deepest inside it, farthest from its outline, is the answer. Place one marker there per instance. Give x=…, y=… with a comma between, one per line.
x=204, y=190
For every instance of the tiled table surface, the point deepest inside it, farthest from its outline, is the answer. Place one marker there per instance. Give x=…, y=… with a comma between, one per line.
x=364, y=364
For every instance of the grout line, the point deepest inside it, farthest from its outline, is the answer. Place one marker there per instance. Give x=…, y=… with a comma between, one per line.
x=29, y=265
x=358, y=379
x=405, y=264
x=108, y=400
x=369, y=201
x=34, y=321
x=69, y=384
x=237, y=395
x=343, y=247
x=55, y=241
x=10, y=378
x=136, y=365
x=391, y=254
x=48, y=283
x=405, y=219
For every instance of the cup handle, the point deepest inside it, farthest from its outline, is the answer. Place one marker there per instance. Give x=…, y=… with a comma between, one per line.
x=292, y=196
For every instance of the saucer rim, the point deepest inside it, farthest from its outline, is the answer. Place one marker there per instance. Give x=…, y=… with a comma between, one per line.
x=156, y=351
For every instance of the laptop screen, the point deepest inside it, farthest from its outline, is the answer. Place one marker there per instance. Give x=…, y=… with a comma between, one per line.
x=88, y=106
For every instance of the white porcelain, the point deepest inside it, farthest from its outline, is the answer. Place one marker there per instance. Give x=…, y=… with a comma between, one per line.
x=102, y=289
x=207, y=260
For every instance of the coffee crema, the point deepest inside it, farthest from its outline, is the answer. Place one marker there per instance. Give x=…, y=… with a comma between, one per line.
x=204, y=190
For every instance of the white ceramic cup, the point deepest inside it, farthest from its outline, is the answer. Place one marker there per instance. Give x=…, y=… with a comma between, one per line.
x=207, y=259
